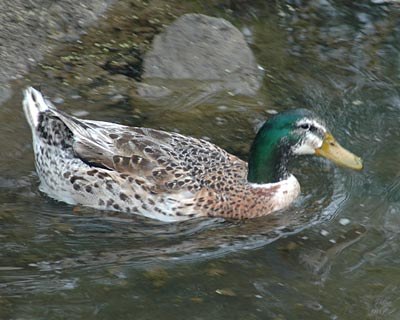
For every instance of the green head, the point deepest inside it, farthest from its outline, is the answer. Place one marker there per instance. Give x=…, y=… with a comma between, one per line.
x=288, y=134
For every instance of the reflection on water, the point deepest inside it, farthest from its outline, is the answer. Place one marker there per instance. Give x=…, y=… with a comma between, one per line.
x=334, y=254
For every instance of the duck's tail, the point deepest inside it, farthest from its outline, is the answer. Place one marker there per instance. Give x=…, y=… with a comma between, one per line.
x=47, y=123
x=34, y=104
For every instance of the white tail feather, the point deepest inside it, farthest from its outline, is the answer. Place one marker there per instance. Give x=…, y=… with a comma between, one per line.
x=34, y=103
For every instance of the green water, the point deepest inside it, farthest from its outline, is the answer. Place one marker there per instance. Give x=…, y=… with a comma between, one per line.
x=334, y=254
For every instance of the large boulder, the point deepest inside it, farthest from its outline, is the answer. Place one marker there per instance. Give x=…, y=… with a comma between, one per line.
x=201, y=48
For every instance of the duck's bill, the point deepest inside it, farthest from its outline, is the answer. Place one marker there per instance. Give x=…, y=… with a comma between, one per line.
x=333, y=151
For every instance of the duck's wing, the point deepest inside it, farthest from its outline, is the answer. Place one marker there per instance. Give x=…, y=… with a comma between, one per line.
x=168, y=161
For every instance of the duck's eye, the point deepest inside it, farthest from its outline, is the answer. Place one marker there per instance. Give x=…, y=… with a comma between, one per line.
x=305, y=126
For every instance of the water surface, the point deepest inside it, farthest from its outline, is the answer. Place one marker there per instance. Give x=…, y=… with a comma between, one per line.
x=334, y=254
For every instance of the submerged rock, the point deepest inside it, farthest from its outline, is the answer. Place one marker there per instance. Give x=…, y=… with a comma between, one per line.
x=200, y=48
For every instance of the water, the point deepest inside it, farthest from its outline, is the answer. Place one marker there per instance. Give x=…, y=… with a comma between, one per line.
x=307, y=262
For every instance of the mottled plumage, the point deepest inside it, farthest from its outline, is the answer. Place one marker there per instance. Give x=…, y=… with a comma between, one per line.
x=161, y=175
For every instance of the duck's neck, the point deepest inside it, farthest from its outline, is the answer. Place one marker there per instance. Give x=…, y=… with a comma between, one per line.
x=268, y=160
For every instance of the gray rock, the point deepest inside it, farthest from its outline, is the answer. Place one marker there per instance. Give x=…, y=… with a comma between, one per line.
x=206, y=49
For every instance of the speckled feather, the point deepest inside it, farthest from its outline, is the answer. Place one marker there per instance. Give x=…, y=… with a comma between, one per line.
x=161, y=175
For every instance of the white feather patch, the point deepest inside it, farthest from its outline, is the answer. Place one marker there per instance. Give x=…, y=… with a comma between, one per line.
x=288, y=191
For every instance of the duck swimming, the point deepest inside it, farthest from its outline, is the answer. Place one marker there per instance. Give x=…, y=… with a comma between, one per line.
x=168, y=176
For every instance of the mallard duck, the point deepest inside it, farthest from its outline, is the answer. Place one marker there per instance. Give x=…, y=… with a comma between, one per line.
x=168, y=176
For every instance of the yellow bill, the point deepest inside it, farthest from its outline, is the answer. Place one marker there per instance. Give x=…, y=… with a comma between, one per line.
x=333, y=151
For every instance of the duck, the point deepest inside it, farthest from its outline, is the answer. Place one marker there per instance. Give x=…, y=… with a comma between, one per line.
x=168, y=176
